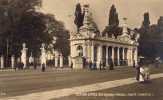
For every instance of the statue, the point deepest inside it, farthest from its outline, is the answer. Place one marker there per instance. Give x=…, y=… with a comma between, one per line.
x=43, y=55
x=31, y=60
x=61, y=60
x=137, y=37
x=24, y=55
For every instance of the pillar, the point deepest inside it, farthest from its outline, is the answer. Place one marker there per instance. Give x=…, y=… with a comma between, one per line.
x=56, y=61
x=89, y=52
x=99, y=58
x=69, y=61
x=123, y=54
x=12, y=62
x=2, y=62
x=107, y=56
x=136, y=56
x=129, y=57
x=92, y=53
x=118, y=56
x=132, y=56
x=84, y=51
x=61, y=60
x=112, y=57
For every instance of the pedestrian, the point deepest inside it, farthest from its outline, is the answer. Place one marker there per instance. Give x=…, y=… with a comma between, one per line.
x=43, y=67
x=134, y=64
x=137, y=72
x=111, y=65
x=71, y=64
x=103, y=65
x=100, y=65
x=147, y=74
x=90, y=64
x=31, y=61
x=141, y=75
x=94, y=66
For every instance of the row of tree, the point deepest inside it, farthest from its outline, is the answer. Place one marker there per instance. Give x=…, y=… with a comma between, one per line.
x=150, y=38
x=21, y=22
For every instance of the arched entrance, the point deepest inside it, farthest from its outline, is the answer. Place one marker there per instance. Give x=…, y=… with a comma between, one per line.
x=80, y=51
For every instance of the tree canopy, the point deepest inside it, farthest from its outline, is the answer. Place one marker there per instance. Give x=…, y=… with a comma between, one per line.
x=79, y=16
x=22, y=23
x=113, y=24
x=113, y=17
x=150, y=37
x=146, y=21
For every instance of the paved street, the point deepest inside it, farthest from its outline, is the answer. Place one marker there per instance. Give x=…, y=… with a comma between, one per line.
x=26, y=82
x=136, y=91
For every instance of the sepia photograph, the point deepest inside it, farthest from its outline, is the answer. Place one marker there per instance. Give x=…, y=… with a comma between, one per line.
x=81, y=49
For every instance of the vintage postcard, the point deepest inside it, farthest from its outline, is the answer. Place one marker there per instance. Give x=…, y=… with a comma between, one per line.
x=81, y=49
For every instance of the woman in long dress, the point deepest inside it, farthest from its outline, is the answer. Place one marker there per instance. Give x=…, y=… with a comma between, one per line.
x=141, y=75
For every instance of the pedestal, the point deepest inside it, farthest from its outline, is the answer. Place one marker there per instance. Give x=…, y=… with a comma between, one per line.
x=78, y=63
x=61, y=61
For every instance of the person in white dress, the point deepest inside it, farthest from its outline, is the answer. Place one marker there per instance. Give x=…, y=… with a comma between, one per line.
x=141, y=75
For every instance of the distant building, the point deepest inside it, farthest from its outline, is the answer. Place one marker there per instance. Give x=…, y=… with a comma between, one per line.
x=97, y=48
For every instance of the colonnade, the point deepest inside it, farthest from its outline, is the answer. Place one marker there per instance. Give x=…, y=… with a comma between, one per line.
x=118, y=55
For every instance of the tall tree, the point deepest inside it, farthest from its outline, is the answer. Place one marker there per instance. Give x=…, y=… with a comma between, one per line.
x=113, y=17
x=79, y=16
x=146, y=22
x=149, y=38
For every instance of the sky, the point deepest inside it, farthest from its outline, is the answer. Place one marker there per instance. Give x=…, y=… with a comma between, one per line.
x=133, y=10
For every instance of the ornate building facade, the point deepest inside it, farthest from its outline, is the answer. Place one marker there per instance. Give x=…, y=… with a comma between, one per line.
x=94, y=47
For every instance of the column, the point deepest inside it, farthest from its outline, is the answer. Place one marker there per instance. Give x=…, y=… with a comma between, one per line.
x=118, y=56
x=99, y=60
x=69, y=61
x=112, y=57
x=131, y=56
x=2, y=62
x=123, y=56
x=89, y=52
x=56, y=61
x=61, y=60
x=128, y=56
x=92, y=53
x=84, y=50
x=12, y=62
x=136, y=56
x=107, y=56
x=71, y=51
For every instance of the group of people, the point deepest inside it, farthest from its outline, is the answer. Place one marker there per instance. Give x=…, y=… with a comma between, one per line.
x=20, y=65
x=93, y=65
